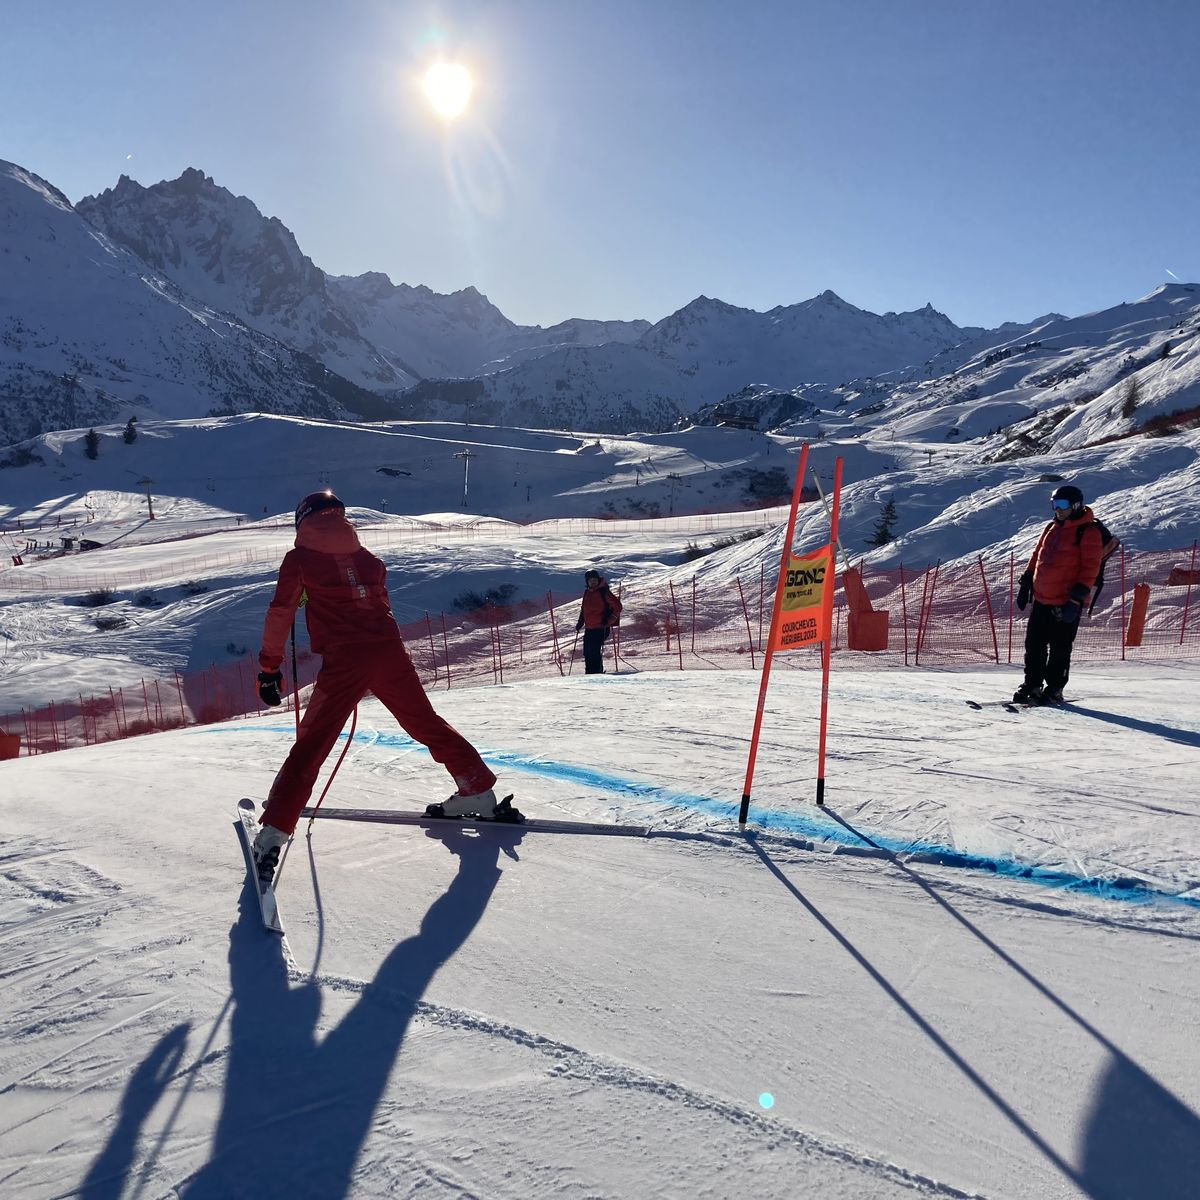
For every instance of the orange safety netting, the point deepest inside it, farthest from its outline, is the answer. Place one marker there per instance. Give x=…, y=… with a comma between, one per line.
x=934, y=616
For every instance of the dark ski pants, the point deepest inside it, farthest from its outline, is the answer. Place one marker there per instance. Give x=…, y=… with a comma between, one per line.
x=1048, y=643
x=593, y=650
x=347, y=674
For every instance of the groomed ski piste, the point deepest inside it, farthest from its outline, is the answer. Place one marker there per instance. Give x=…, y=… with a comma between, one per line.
x=974, y=973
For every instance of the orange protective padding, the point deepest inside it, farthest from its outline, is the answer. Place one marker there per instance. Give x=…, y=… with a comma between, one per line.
x=857, y=599
x=10, y=745
x=1137, y=615
x=804, y=604
x=866, y=630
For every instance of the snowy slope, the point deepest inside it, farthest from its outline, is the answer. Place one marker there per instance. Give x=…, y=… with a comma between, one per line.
x=865, y=1002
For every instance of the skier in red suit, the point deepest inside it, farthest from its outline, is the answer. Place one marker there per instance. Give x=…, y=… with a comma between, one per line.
x=350, y=625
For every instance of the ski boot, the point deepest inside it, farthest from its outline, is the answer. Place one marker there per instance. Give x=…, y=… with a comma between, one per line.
x=1027, y=694
x=267, y=844
x=483, y=806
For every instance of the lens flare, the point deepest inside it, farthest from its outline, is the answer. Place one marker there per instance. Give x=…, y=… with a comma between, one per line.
x=448, y=88
x=766, y=1100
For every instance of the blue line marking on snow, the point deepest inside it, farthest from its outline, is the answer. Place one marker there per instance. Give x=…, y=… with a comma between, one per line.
x=813, y=827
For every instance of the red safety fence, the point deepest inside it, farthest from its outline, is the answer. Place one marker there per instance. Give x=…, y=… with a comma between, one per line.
x=935, y=616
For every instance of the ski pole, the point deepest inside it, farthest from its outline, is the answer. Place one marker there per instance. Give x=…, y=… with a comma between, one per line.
x=295, y=680
x=571, y=664
x=320, y=801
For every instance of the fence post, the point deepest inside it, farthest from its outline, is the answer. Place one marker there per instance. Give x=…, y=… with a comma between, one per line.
x=554, y=630
x=678, y=633
x=433, y=648
x=904, y=613
x=693, y=614
x=988, y=601
x=616, y=638
x=446, y=647
x=1012, y=566
x=927, y=607
x=1187, y=600
x=746, y=615
x=762, y=576
x=1124, y=629
x=179, y=691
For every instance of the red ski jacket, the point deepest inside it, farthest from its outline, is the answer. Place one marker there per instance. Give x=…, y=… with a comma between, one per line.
x=600, y=607
x=1064, y=557
x=346, y=589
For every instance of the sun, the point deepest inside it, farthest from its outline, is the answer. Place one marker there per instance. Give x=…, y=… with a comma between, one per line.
x=448, y=88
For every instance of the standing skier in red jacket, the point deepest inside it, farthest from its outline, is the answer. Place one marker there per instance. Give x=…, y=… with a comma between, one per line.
x=350, y=625
x=1061, y=574
x=598, y=613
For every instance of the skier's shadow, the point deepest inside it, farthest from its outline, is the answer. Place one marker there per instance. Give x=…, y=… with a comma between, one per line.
x=296, y=1111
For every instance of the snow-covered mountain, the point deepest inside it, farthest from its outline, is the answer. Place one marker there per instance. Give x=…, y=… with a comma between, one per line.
x=721, y=348
x=459, y=335
x=1064, y=384
x=219, y=248
x=157, y=303
x=90, y=333
x=691, y=364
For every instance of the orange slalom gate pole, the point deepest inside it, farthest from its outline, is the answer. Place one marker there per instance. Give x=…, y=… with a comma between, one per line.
x=769, y=653
x=825, y=649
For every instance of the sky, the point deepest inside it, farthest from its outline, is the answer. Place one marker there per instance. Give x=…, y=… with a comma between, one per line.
x=999, y=160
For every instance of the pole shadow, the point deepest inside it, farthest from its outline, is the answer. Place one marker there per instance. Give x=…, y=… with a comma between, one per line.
x=1015, y=1119
x=110, y=1171
x=1184, y=737
x=295, y=1111
x=1138, y=1141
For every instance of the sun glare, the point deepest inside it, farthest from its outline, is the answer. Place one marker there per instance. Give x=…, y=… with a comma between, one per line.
x=448, y=88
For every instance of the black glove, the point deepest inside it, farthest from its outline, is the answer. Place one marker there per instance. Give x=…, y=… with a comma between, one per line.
x=1073, y=609
x=578, y=626
x=269, y=683
x=1025, y=591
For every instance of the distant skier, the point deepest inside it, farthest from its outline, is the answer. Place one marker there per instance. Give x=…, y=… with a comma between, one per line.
x=1062, y=571
x=598, y=613
x=350, y=624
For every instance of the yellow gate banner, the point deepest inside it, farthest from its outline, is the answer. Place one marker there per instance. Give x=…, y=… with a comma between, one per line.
x=807, y=602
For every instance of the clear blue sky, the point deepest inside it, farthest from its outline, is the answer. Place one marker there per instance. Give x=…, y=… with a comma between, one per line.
x=998, y=158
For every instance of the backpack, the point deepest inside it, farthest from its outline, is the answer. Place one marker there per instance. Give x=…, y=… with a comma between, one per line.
x=1109, y=545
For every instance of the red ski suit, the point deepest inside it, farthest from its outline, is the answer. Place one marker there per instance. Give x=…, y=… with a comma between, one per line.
x=350, y=625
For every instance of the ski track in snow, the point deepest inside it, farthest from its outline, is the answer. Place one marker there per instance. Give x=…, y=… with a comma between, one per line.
x=570, y=1062
x=1120, y=886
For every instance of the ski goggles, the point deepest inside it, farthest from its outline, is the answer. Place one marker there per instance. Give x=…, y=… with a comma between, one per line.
x=1061, y=505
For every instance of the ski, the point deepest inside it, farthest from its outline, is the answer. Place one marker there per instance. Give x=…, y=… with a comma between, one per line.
x=1007, y=705
x=386, y=816
x=267, y=905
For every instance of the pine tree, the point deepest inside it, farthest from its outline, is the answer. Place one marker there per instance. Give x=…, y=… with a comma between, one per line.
x=1132, y=398
x=882, y=534
x=91, y=444
x=130, y=434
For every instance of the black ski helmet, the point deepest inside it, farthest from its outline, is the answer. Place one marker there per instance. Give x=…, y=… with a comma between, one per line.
x=314, y=502
x=1071, y=493
x=591, y=573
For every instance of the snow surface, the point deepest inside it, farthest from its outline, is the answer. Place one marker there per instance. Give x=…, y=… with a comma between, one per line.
x=974, y=974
